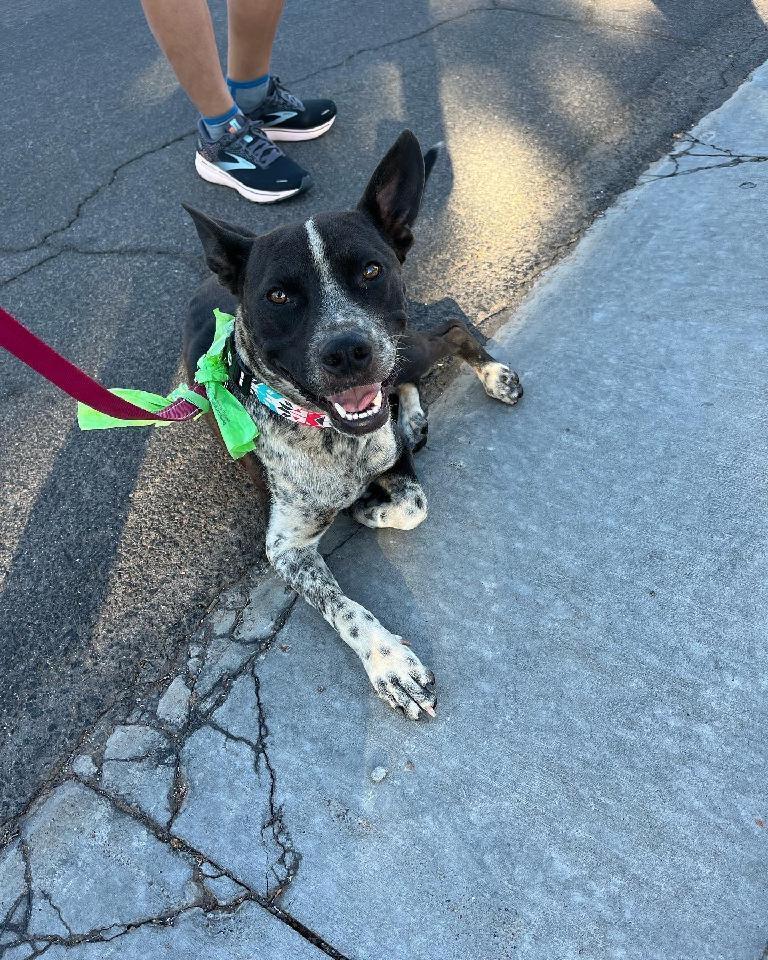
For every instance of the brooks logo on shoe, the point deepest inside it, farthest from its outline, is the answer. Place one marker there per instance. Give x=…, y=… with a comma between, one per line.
x=239, y=163
x=279, y=117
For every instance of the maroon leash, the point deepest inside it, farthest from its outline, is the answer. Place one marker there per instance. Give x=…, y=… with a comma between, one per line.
x=36, y=353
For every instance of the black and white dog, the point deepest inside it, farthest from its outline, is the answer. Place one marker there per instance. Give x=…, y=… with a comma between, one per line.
x=321, y=320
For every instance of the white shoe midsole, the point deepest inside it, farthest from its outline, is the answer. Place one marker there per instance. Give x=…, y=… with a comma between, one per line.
x=276, y=133
x=213, y=174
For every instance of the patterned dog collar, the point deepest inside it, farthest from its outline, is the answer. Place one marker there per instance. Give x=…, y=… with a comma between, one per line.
x=270, y=397
x=284, y=407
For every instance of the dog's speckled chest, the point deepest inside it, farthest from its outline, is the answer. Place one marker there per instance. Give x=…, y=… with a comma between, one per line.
x=321, y=469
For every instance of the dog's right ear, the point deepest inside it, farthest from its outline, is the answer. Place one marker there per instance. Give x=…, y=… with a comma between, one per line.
x=226, y=248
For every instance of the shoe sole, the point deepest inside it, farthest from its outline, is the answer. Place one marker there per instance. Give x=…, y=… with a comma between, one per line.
x=213, y=174
x=285, y=133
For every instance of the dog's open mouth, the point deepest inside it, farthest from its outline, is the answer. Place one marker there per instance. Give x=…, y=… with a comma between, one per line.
x=357, y=403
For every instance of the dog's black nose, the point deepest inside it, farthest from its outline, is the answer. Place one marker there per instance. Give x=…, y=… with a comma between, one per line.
x=345, y=354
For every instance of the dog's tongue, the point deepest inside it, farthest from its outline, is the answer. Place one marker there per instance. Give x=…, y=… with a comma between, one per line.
x=357, y=399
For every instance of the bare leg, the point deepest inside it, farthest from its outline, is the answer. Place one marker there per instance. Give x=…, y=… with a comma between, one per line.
x=252, y=25
x=184, y=31
x=396, y=673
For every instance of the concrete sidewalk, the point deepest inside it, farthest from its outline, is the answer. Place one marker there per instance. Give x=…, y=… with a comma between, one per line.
x=590, y=590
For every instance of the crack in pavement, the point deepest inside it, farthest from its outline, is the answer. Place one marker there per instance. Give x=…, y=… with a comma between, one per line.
x=350, y=57
x=729, y=158
x=38, y=263
x=104, y=185
x=56, y=909
x=273, y=827
x=165, y=739
x=207, y=903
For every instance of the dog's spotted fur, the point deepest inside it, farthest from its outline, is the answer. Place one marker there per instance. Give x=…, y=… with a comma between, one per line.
x=312, y=474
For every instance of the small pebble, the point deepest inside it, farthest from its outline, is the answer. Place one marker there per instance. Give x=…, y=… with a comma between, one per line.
x=409, y=765
x=378, y=774
x=84, y=766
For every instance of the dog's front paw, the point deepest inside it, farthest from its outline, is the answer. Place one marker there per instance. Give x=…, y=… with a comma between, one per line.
x=500, y=382
x=415, y=428
x=400, y=678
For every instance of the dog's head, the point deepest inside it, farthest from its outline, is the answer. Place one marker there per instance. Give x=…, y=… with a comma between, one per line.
x=323, y=302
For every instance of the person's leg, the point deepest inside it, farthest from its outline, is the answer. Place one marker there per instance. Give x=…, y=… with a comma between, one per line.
x=232, y=150
x=251, y=29
x=261, y=97
x=184, y=32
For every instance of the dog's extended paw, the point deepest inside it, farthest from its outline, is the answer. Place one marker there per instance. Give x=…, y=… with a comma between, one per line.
x=400, y=678
x=500, y=382
x=415, y=428
x=403, y=508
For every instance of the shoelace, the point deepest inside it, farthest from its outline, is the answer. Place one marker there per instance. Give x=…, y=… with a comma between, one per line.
x=282, y=96
x=256, y=146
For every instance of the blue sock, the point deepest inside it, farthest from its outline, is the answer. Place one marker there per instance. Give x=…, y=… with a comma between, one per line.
x=216, y=127
x=249, y=94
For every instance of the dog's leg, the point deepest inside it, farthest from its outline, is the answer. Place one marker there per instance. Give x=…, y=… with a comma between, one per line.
x=395, y=499
x=411, y=418
x=499, y=381
x=454, y=339
x=396, y=673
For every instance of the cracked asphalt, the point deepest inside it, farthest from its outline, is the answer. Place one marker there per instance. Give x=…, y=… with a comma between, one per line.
x=590, y=589
x=112, y=547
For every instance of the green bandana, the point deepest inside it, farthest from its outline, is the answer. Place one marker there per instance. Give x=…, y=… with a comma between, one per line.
x=237, y=428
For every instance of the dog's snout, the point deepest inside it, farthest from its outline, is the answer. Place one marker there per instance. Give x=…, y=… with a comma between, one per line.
x=346, y=354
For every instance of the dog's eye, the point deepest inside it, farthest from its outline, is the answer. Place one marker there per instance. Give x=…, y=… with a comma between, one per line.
x=371, y=271
x=278, y=296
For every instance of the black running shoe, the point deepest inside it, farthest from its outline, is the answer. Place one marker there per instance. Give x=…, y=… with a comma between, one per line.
x=247, y=161
x=284, y=117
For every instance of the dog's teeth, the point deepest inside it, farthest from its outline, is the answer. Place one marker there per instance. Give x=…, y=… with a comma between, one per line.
x=372, y=409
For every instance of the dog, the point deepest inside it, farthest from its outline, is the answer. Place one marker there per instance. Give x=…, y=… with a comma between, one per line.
x=321, y=319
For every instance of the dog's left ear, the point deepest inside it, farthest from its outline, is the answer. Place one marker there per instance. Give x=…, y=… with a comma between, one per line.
x=226, y=248
x=393, y=195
